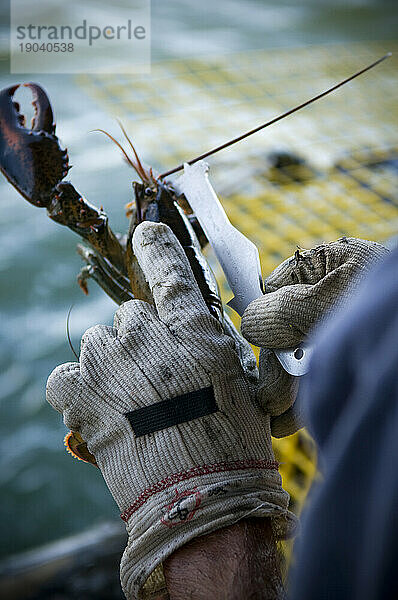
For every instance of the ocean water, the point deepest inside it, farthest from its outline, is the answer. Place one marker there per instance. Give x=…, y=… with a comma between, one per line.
x=44, y=493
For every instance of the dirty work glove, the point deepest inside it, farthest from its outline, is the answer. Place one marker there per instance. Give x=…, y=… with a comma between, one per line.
x=164, y=406
x=303, y=289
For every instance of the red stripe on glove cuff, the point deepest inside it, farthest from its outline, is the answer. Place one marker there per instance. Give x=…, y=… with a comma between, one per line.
x=236, y=465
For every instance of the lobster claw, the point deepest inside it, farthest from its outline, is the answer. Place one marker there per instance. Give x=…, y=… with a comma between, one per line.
x=31, y=158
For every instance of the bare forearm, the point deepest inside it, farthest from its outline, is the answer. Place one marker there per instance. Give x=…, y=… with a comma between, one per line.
x=239, y=562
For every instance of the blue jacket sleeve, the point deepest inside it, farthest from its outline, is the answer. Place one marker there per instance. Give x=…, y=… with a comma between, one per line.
x=349, y=541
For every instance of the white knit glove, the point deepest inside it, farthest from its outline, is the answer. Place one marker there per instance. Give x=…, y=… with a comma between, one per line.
x=303, y=289
x=164, y=405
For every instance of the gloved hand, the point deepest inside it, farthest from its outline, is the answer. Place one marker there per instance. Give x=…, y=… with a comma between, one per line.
x=166, y=409
x=303, y=289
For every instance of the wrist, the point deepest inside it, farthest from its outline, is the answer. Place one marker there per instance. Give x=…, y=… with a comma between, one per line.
x=250, y=565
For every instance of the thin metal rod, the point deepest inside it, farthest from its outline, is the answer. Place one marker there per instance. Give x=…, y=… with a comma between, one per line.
x=268, y=123
x=68, y=332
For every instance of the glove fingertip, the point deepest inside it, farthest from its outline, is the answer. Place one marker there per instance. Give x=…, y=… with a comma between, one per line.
x=264, y=321
x=168, y=272
x=147, y=233
x=287, y=423
x=62, y=384
x=251, y=323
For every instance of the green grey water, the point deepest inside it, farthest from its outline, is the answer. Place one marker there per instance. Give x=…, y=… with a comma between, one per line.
x=44, y=493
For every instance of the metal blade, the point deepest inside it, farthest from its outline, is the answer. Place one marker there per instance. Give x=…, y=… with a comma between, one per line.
x=237, y=255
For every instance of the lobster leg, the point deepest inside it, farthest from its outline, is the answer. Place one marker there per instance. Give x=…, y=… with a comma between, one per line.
x=69, y=208
x=114, y=283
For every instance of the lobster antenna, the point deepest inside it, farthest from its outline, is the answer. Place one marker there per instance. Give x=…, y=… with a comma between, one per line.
x=274, y=120
x=68, y=332
x=141, y=172
x=126, y=156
